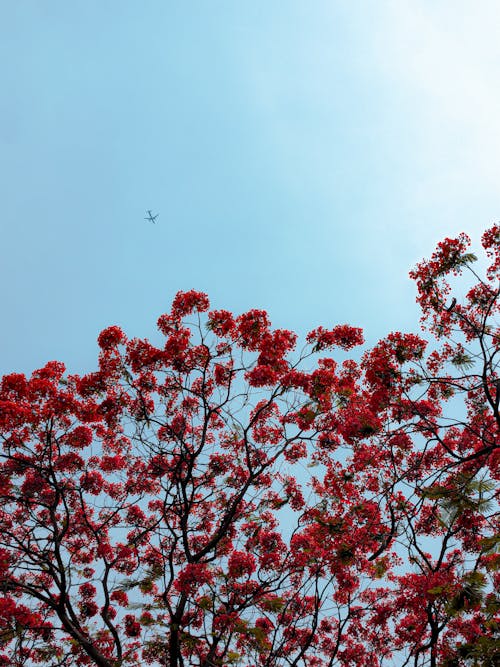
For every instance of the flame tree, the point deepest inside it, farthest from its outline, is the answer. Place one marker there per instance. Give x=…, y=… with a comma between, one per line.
x=222, y=499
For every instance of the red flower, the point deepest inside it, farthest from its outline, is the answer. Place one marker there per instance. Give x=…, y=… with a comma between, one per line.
x=87, y=591
x=221, y=322
x=92, y=481
x=343, y=336
x=251, y=327
x=240, y=564
x=88, y=608
x=192, y=576
x=110, y=338
x=132, y=627
x=120, y=597
x=80, y=437
x=186, y=303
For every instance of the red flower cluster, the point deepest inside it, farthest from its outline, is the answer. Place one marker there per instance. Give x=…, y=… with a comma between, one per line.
x=110, y=338
x=343, y=336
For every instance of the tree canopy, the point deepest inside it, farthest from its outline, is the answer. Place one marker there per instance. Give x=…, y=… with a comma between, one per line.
x=223, y=498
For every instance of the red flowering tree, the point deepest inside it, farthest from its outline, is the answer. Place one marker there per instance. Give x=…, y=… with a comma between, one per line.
x=218, y=499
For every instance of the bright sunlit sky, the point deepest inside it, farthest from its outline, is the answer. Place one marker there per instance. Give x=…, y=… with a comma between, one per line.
x=302, y=156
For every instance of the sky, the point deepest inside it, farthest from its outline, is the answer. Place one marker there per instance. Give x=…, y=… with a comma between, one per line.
x=302, y=157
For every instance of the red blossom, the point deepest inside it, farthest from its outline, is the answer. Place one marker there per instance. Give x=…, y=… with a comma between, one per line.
x=88, y=608
x=491, y=243
x=192, y=576
x=252, y=327
x=343, y=336
x=261, y=376
x=92, y=481
x=80, y=437
x=132, y=627
x=221, y=322
x=186, y=303
x=120, y=597
x=240, y=564
x=110, y=338
x=87, y=591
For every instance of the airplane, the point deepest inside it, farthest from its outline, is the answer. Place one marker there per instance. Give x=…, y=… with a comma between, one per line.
x=151, y=217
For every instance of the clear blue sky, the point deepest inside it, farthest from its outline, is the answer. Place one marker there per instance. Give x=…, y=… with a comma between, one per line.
x=302, y=157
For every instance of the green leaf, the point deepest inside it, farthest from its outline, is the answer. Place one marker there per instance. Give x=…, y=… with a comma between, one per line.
x=274, y=604
x=232, y=656
x=462, y=360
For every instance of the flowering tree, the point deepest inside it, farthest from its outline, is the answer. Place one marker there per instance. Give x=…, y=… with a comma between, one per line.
x=219, y=499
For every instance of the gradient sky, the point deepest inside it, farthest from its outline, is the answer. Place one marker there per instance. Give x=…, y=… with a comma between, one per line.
x=302, y=156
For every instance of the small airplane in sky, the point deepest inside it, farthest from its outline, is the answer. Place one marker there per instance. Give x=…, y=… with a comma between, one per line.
x=151, y=217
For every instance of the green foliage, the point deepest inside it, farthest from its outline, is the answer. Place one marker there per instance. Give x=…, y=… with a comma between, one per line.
x=490, y=544
x=273, y=604
x=460, y=494
x=462, y=360
x=470, y=595
x=483, y=652
x=232, y=657
x=144, y=584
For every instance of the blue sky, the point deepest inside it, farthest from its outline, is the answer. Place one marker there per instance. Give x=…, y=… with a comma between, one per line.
x=302, y=157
